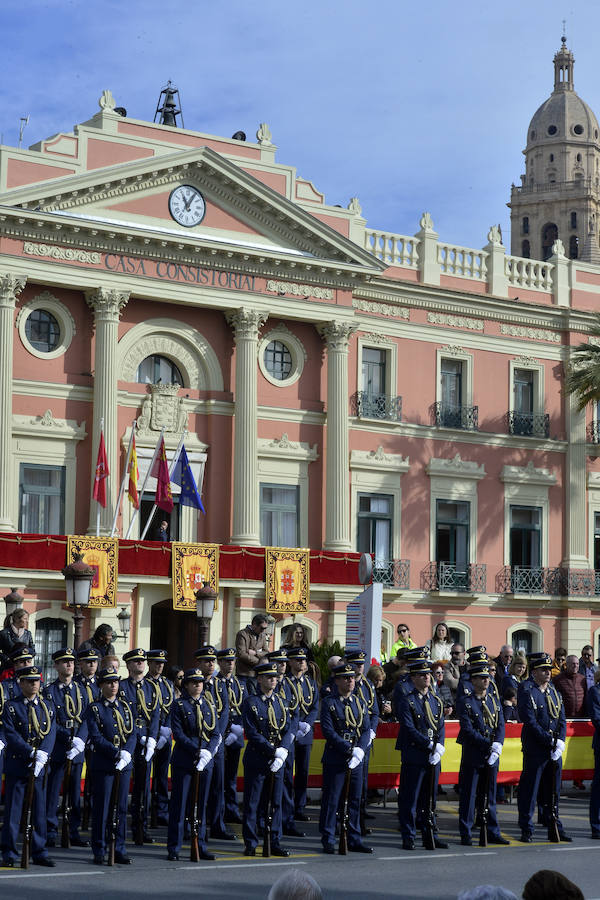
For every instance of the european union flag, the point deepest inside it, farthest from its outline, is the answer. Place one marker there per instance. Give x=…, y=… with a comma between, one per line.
x=183, y=476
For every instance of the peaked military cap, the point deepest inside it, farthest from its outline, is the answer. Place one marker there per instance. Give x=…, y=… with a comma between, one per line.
x=226, y=653
x=266, y=668
x=417, y=653
x=193, y=675
x=542, y=662
x=479, y=648
x=419, y=666
x=206, y=652
x=131, y=655
x=89, y=654
x=157, y=655
x=109, y=674
x=20, y=653
x=296, y=653
x=29, y=673
x=481, y=669
x=65, y=653
x=278, y=655
x=355, y=656
x=343, y=670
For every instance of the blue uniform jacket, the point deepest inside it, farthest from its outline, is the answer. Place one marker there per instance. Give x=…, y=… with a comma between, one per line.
x=90, y=685
x=237, y=693
x=308, y=703
x=218, y=691
x=593, y=706
x=366, y=691
x=343, y=731
x=540, y=726
x=165, y=699
x=70, y=722
x=421, y=721
x=289, y=696
x=103, y=718
x=262, y=735
x=184, y=722
x=20, y=732
x=478, y=731
x=146, y=724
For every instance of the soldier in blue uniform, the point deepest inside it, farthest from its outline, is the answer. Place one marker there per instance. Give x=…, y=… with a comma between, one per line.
x=297, y=763
x=269, y=735
x=482, y=738
x=593, y=707
x=366, y=691
x=197, y=739
x=30, y=732
x=162, y=754
x=70, y=702
x=206, y=659
x=404, y=684
x=421, y=743
x=142, y=694
x=2, y=735
x=113, y=738
x=543, y=733
x=234, y=733
x=346, y=729
x=88, y=660
x=20, y=657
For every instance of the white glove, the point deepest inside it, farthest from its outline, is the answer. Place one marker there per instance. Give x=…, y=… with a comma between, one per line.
x=161, y=742
x=303, y=728
x=150, y=746
x=497, y=747
x=124, y=760
x=276, y=765
x=430, y=745
x=238, y=730
x=373, y=735
x=281, y=753
x=73, y=752
x=78, y=745
x=165, y=733
x=38, y=768
x=434, y=758
x=42, y=757
x=439, y=748
x=2, y=746
x=358, y=754
x=493, y=758
x=556, y=755
x=205, y=758
x=143, y=740
x=560, y=746
x=230, y=739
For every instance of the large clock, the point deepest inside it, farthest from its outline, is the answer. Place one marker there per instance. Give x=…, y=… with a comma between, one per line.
x=186, y=205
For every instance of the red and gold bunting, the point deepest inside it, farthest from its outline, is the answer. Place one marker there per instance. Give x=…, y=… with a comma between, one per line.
x=192, y=566
x=101, y=555
x=287, y=584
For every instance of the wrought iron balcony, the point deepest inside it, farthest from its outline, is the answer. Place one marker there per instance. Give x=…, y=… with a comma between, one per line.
x=530, y=580
x=529, y=424
x=392, y=573
x=450, y=577
x=465, y=417
x=377, y=406
x=593, y=432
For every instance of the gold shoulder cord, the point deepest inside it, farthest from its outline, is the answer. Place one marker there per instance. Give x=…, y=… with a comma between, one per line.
x=90, y=693
x=350, y=718
x=235, y=702
x=141, y=700
x=215, y=695
x=124, y=727
x=294, y=699
x=431, y=717
x=554, y=701
x=273, y=722
x=166, y=704
x=371, y=700
x=205, y=729
x=490, y=717
x=39, y=731
x=305, y=702
x=74, y=712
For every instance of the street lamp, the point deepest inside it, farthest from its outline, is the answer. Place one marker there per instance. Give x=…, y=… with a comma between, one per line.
x=205, y=610
x=124, y=620
x=13, y=601
x=78, y=582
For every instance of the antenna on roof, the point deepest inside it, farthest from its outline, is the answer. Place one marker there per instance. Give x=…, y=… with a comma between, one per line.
x=24, y=122
x=171, y=107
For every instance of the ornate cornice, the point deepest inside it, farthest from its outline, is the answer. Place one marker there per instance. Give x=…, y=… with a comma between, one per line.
x=10, y=288
x=283, y=448
x=379, y=460
x=47, y=426
x=455, y=468
x=527, y=475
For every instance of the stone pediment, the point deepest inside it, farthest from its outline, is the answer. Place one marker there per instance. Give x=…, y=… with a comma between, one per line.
x=242, y=212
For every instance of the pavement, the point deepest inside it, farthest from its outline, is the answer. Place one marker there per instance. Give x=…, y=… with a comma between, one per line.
x=389, y=872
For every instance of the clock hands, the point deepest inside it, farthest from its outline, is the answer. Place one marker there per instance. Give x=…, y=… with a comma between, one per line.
x=187, y=205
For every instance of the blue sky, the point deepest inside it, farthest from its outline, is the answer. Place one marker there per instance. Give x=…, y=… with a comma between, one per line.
x=410, y=107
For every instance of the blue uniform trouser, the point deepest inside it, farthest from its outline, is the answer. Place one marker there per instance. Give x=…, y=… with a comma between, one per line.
x=287, y=794
x=55, y=779
x=334, y=777
x=140, y=792
x=161, y=760
x=595, y=795
x=16, y=787
x=232, y=761
x=101, y=787
x=216, y=797
x=470, y=776
x=534, y=770
x=301, y=764
x=412, y=797
x=181, y=782
x=256, y=784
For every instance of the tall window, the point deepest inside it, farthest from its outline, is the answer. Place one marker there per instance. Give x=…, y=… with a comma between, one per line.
x=279, y=515
x=155, y=369
x=523, y=386
x=375, y=523
x=573, y=247
x=452, y=533
x=522, y=640
x=373, y=371
x=159, y=516
x=549, y=235
x=526, y=536
x=50, y=635
x=573, y=220
x=452, y=373
x=41, y=499
x=525, y=225
x=526, y=250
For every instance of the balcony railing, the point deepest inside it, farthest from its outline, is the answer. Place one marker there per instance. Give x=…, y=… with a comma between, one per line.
x=377, y=406
x=450, y=577
x=464, y=417
x=392, y=573
x=530, y=580
x=529, y=424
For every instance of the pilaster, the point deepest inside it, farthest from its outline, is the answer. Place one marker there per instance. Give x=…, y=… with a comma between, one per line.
x=10, y=287
x=429, y=266
x=496, y=264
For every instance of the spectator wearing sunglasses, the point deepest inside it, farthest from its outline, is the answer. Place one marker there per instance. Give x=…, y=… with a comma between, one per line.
x=404, y=640
x=587, y=666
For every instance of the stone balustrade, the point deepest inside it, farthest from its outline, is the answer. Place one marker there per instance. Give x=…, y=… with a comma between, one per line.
x=393, y=249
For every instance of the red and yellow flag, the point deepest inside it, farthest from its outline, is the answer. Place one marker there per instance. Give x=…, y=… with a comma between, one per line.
x=287, y=580
x=132, y=490
x=160, y=471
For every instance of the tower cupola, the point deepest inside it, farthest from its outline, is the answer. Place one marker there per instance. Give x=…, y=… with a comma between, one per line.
x=564, y=62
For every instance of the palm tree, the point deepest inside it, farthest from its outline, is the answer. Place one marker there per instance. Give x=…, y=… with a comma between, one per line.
x=583, y=377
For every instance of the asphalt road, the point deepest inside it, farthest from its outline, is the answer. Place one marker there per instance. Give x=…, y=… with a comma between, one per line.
x=389, y=872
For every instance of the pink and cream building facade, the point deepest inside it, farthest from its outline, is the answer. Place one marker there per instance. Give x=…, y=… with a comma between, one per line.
x=342, y=388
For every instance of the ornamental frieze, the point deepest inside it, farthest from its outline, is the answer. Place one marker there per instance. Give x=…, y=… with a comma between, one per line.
x=384, y=309
x=64, y=253
x=299, y=290
x=534, y=334
x=455, y=321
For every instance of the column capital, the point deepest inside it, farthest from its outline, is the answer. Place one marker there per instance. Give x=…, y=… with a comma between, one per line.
x=10, y=287
x=337, y=334
x=246, y=322
x=107, y=303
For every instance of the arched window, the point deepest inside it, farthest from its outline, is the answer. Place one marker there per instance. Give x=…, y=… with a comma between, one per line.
x=573, y=247
x=549, y=235
x=50, y=635
x=155, y=369
x=522, y=640
x=525, y=250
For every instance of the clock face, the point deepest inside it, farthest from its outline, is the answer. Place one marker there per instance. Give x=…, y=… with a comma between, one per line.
x=187, y=206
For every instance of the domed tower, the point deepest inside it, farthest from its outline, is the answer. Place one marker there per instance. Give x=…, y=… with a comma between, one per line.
x=559, y=194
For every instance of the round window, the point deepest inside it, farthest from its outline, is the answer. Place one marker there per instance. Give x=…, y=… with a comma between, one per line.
x=578, y=129
x=278, y=360
x=42, y=330
x=552, y=129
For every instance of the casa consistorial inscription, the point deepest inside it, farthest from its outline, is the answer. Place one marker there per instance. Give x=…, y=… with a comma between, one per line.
x=299, y=290
x=63, y=253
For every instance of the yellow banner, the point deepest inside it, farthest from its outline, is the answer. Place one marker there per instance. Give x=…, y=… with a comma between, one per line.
x=101, y=555
x=192, y=566
x=287, y=580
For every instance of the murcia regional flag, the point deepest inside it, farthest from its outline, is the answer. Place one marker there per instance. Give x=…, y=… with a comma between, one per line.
x=287, y=580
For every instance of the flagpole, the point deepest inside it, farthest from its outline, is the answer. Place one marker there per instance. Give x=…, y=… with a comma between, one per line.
x=171, y=470
x=150, y=467
x=97, y=501
x=125, y=474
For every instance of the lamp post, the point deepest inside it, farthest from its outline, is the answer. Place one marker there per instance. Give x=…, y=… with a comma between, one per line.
x=205, y=610
x=13, y=601
x=124, y=620
x=78, y=582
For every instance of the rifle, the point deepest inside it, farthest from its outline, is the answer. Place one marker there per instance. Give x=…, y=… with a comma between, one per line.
x=428, y=814
x=27, y=817
x=139, y=830
x=553, y=833
x=85, y=813
x=113, y=817
x=194, y=823
x=345, y=815
x=269, y=816
x=65, y=839
x=154, y=795
x=483, y=805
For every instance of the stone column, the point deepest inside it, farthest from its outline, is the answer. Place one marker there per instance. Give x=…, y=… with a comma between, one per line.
x=337, y=472
x=10, y=287
x=246, y=513
x=107, y=305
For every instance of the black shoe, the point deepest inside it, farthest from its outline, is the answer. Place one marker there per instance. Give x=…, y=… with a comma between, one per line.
x=329, y=849
x=173, y=857
x=565, y=838
x=408, y=844
x=44, y=861
x=77, y=841
x=148, y=839
x=233, y=818
x=51, y=840
x=293, y=832
x=360, y=848
x=497, y=839
x=526, y=838
x=279, y=851
x=466, y=841
x=204, y=854
x=122, y=859
x=223, y=836
x=439, y=844
x=249, y=851
x=301, y=817
x=98, y=860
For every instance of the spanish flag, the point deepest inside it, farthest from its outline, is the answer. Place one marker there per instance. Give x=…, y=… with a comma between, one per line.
x=132, y=468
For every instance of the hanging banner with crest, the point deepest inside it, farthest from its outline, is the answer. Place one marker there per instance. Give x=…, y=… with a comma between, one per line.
x=192, y=566
x=287, y=582
x=101, y=555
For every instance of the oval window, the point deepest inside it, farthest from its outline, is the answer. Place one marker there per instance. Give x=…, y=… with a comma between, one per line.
x=278, y=360
x=42, y=330
x=552, y=129
x=578, y=129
